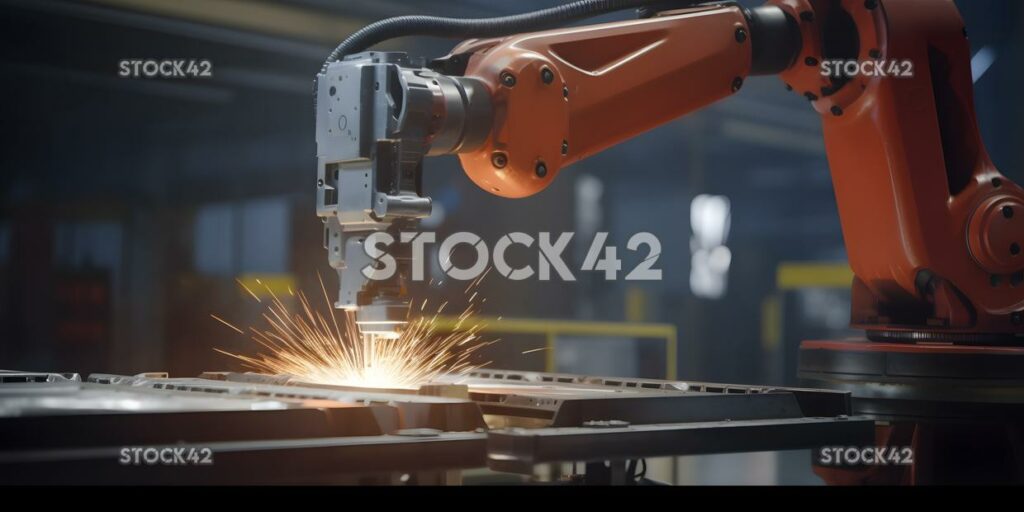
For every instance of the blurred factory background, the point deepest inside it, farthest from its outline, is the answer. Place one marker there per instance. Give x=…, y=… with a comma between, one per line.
x=130, y=207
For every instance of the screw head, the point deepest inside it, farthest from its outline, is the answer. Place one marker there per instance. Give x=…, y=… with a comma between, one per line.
x=541, y=170
x=565, y=147
x=741, y=35
x=836, y=110
x=508, y=79
x=811, y=61
x=547, y=76
x=1008, y=212
x=565, y=91
x=499, y=159
x=737, y=83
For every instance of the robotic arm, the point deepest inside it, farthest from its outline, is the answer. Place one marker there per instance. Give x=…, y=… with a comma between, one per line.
x=933, y=231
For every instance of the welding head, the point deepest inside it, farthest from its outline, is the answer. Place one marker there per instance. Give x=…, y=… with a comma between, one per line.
x=378, y=115
x=384, y=318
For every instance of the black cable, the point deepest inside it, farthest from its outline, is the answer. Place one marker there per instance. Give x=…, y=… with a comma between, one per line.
x=459, y=28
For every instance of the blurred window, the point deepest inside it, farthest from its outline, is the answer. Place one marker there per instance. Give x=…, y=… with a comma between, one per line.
x=239, y=238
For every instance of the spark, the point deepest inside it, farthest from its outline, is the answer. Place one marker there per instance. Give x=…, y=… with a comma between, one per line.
x=325, y=347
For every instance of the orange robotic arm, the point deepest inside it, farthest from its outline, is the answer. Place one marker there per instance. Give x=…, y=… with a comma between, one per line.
x=933, y=231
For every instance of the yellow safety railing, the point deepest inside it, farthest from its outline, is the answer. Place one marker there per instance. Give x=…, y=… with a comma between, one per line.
x=551, y=329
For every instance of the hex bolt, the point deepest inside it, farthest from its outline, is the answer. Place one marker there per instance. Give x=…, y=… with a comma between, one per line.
x=541, y=169
x=499, y=160
x=508, y=79
x=547, y=76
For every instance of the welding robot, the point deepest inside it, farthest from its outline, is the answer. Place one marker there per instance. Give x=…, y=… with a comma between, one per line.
x=933, y=231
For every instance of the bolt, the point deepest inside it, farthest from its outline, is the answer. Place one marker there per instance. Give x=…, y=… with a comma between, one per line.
x=565, y=91
x=541, y=170
x=811, y=61
x=1015, y=248
x=811, y=96
x=565, y=147
x=508, y=79
x=1008, y=212
x=996, y=182
x=836, y=110
x=741, y=35
x=499, y=160
x=737, y=83
x=319, y=183
x=547, y=76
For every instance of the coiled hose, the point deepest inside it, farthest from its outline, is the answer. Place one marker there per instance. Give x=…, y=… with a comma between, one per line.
x=436, y=26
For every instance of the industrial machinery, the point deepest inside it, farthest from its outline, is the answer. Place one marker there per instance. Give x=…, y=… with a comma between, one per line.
x=933, y=231
x=232, y=428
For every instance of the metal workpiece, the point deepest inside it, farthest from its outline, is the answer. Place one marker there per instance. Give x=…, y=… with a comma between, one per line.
x=426, y=411
x=355, y=460
x=518, y=450
x=378, y=115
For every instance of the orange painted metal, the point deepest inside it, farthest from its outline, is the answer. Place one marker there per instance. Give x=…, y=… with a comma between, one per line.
x=916, y=190
x=562, y=95
x=933, y=231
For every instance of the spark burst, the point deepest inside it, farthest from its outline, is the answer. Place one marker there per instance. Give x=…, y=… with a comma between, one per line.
x=323, y=348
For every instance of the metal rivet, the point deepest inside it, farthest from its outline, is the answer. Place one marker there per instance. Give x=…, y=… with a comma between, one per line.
x=499, y=159
x=541, y=170
x=737, y=83
x=741, y=35
x=508, y=79
x=1008, y=212
x=547, y=76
